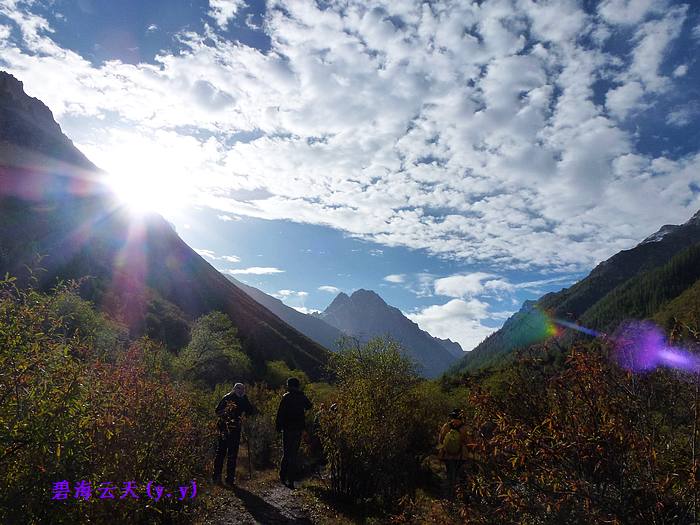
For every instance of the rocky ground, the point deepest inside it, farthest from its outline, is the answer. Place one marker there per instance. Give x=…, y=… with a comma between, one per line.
x=264, y=500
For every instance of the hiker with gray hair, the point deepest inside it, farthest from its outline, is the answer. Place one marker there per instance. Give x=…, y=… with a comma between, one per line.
x=230, y=409
x=290, y=421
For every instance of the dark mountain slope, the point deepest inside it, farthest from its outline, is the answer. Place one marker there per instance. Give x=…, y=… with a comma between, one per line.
x=645, y=294
x=365, y=315
x=52, y=204
x=683, y=309
x=571, y=303
x=654, y=251
x=453, y=348
x=312, y=327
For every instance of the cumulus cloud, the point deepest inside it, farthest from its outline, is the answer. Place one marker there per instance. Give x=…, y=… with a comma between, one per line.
x=654, y=38
x=395, y=278
x=458, y=320
x=680, y=71
x=471, y=285
x=293, y=298
x=435, y=126
x=329, y=289
x=629, y=12
x=290, y=293
x=254, y=270
x=305, y=310
x=624, y=99
x=222, y=11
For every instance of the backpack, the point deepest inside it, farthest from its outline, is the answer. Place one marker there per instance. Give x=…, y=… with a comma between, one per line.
x=452, y=442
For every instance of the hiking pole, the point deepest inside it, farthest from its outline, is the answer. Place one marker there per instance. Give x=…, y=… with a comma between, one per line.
x=250, y=461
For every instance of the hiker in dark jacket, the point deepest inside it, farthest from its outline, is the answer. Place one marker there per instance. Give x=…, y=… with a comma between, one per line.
x=290, y=421
x=230, y=409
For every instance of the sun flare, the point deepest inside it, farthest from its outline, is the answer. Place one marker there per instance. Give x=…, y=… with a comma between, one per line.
x=142, y=194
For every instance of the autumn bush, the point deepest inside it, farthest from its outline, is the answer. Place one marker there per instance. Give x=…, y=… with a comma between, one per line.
x=382, y=427
x=587, y=443
x=67, y=414
x=265, y=442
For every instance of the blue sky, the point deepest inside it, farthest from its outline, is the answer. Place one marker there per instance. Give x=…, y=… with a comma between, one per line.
x=456, y=157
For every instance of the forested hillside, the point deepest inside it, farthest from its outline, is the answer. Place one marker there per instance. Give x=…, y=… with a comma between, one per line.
x=631, y=284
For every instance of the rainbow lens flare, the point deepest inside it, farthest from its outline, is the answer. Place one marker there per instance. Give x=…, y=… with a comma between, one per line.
x=641, y=346
x=533, y=325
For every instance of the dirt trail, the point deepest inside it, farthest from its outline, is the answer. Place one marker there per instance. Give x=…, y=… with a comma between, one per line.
x=260, y=503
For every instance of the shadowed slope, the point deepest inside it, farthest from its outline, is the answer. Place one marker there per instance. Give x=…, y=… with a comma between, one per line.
x=52, y=203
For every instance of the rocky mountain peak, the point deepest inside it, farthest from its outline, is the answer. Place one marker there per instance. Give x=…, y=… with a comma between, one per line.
x=367, y=297
x=10, y=86
x=28, y=124
x=340, y=300
x=694, y=220
x=12, y=93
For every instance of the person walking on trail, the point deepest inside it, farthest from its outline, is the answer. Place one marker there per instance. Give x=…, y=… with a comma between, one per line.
x=230, y=409
x=290, y=421
x=453, y=450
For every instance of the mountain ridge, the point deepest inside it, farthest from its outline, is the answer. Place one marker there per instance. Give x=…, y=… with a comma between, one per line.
x=51, y=193
x=574, y=302
x=313, y=327
x=365, y=315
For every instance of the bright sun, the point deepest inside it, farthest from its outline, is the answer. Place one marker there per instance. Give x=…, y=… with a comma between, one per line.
x=147, y=193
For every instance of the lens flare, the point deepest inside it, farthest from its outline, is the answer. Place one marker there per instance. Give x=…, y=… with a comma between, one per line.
x=578, y=328
x=641, y=346
x=533, y=325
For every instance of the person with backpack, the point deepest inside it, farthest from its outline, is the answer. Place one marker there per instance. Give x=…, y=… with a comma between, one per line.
x=290, y=421
x=230, y=410
x=452, y=447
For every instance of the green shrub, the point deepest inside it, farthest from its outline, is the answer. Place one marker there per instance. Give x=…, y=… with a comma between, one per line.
x=66, y=414
x=382, y=427
x=43, y=413
x=214, y=353
x=277, y=373
x=265, y=441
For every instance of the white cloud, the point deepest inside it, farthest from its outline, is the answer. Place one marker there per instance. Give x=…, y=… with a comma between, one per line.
x=210, y=254
x=293, y=298
x=629, y=12
x=305, y=310
x=625, y=98
x=471, y=285
x=228, y=218
x=395, y=278
x=206, y=253
x=290, y=293
x=680, y=71
x=431, y=126
x=254, y=270
x=152, y=28
x=458, y=320
x=684, y=115
x=222, y=11
x=329, y=289
x=653, y=39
